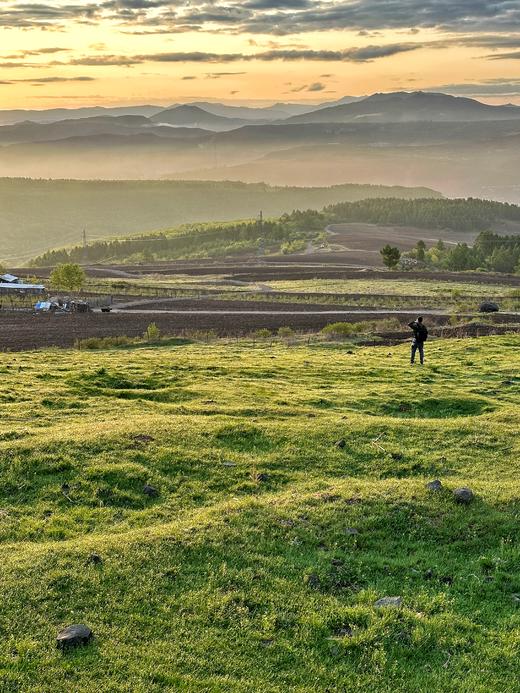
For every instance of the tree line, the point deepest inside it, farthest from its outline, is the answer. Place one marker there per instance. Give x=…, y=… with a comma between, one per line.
x=490, y=252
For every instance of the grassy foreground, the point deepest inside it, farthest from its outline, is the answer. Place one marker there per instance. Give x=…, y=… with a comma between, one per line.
x=245, y=574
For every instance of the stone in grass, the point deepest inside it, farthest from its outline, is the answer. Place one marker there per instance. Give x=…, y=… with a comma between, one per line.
x=95, y=559
x=463, y=495
x=394, y=602
x=72, y=636
x=150, y=491
x=351, y=531
x=489, y=307
x=143, y=438
x=434, y=485
x=340, y=444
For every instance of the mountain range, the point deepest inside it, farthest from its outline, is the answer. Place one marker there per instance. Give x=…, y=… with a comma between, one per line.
x=459, y=146
x=404, y=107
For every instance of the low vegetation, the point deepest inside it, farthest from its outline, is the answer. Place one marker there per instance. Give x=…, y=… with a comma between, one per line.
x=490, y=251
x=289, y=496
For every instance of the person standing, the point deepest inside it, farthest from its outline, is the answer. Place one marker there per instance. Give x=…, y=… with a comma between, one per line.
x=420, y=335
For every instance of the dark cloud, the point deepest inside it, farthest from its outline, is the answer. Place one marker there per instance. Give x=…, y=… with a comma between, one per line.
x=191, y=57
x=218, y=75
x=357, y=55
x=277, y=4
x=19, y=55
x=272, y=17
x=317, y=86
x=102, y=60
x=44, y=15
x=504, y=56
x=7, y=64
x=38, y=81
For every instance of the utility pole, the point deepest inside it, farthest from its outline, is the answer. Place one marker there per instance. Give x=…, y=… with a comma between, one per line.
x=261, y=249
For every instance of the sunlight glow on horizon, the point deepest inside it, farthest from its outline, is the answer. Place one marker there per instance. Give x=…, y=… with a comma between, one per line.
x=111, y=60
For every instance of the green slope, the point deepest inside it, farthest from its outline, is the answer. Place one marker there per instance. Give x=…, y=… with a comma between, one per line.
x=234, y=581
x=40, y=214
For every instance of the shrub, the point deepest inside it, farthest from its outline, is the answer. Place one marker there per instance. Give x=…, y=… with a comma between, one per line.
x=338, y=330
x=200, y=335
x=263, y=333
x=343, y=330
x=153, y=333
x=285, y=332
x=103, y=342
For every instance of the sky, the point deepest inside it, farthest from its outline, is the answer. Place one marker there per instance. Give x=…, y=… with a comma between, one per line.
x=121, y=52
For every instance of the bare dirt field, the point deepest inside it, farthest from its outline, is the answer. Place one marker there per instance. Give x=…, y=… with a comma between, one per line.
x=20, y=331
x=360, y=244
x=318, y=266
x=301, y=310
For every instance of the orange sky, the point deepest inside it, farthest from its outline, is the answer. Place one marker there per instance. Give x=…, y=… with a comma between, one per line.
x=160, y=51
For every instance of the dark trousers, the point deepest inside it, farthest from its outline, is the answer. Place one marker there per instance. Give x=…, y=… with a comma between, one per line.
x=417, y=345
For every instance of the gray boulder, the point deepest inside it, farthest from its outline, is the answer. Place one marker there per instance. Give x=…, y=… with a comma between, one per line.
x=434, y=485
x=489, y=307
x=72, y=636
x=463, y=495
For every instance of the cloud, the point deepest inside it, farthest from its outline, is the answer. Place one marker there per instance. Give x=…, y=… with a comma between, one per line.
x=15, y=15
x=504, y=56
x=316, y=86
x=360, y=55
x=102, y=60
x=50, y=80
x=270, y=17
x=7, y=64
x=218, y=75
x=490, y=87
x=21, y=54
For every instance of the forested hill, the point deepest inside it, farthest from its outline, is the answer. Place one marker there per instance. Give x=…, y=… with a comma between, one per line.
x=289, y=232
x=38, y=215
x=459, y=215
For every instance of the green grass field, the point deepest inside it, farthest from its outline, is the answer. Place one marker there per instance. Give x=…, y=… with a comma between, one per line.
x=392, y=287
x=245, y=573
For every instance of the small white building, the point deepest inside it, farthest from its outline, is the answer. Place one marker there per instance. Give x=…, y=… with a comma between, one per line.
x=9, y=279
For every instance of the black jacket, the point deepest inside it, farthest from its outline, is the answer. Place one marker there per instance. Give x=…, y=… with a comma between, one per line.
x=419, y=331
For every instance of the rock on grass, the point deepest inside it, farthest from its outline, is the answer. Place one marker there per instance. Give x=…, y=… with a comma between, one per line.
x=393, y=602
x=72, y=636
x=434, y=485
x=463, y=495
